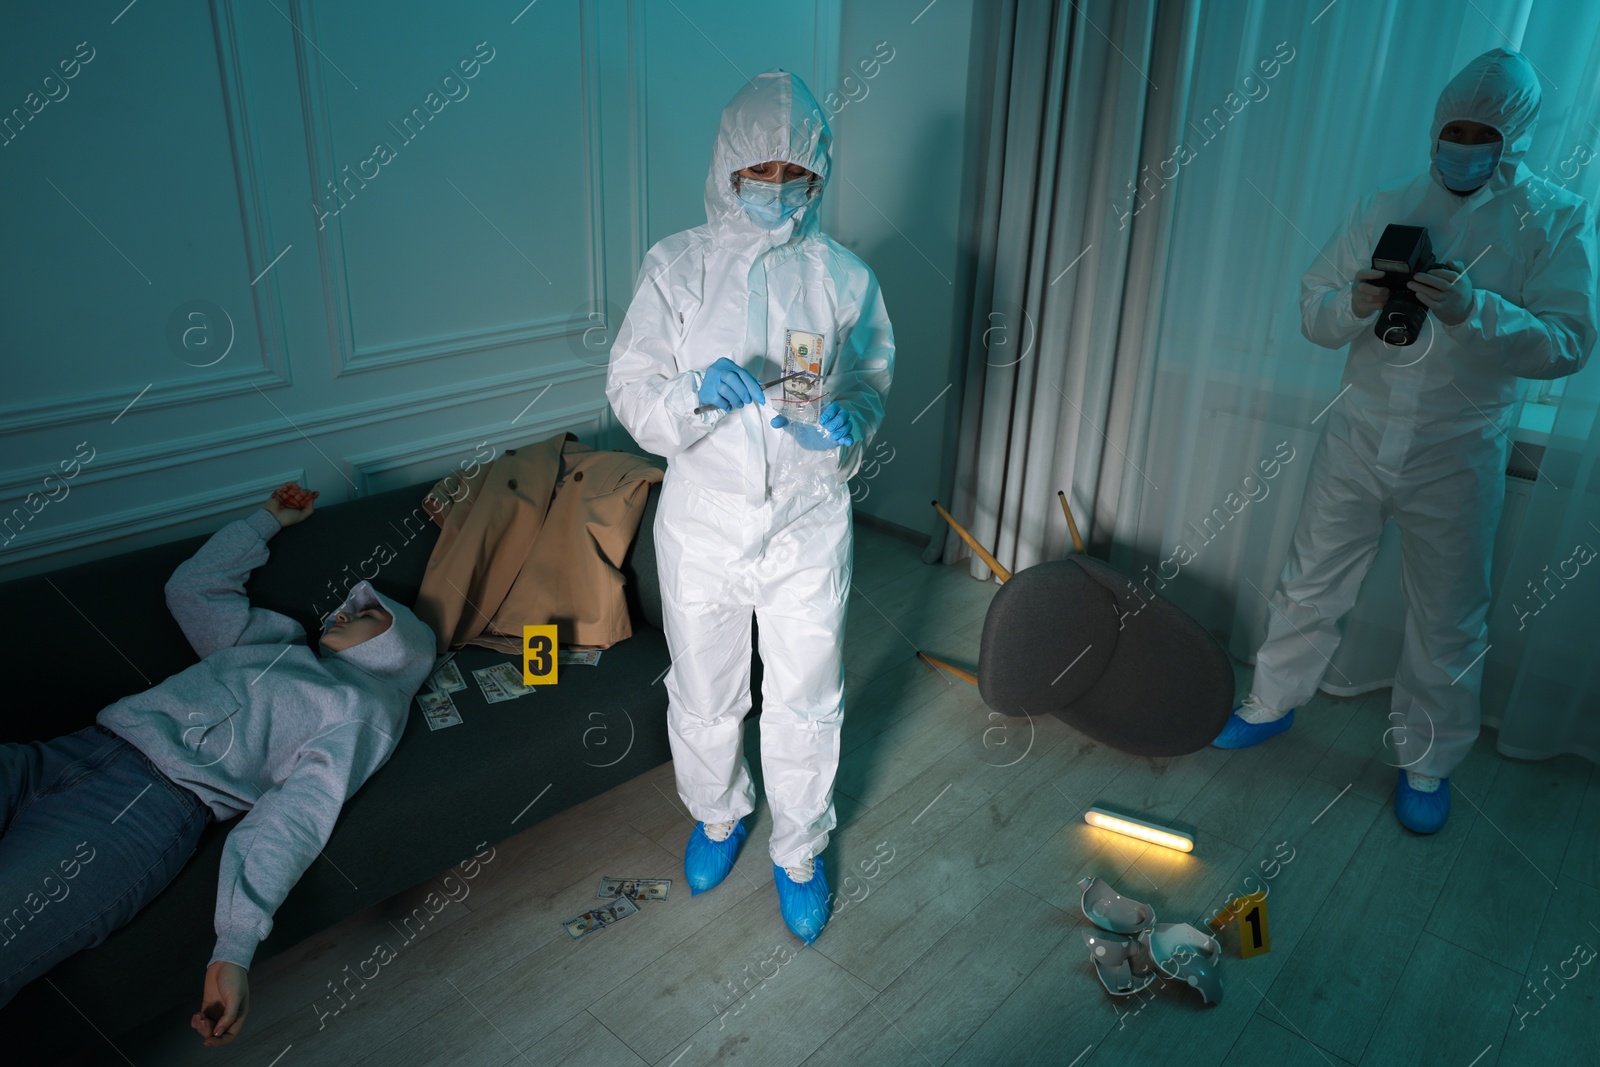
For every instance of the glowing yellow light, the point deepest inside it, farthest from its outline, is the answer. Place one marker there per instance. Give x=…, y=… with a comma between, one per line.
x=1144, y=831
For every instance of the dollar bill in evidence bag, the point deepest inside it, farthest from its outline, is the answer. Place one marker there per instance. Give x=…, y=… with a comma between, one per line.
x=439, y=710
x=600, y=918
x=494, y=691
x=803, y=354
x=635, y=889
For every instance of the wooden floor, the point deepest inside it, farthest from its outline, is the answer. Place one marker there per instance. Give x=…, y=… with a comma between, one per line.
x=964, y=837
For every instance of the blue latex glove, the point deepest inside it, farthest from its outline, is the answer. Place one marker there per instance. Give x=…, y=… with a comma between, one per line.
x=834, y=426
x=729, y=386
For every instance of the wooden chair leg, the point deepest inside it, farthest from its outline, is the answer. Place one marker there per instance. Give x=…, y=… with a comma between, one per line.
x=939, y=664
x=972, y=543
x=1077, y=542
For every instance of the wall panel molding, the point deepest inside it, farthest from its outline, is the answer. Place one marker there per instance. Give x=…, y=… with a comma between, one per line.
x=267, y=433
x=348, y=355
x=249, y=156
x=463, y=344
x=160, y=515
x=375, y=470
x=108, y=403
x=266, y=297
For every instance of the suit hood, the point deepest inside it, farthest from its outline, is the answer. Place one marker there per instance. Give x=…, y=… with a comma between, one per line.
x=1499, y=89
x=773, y=117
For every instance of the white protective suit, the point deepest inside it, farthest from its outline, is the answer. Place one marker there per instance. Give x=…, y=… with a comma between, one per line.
x=1422, y=433
x=731, y=533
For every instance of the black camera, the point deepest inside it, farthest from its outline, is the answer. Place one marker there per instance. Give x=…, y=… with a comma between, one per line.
x=1402, y=253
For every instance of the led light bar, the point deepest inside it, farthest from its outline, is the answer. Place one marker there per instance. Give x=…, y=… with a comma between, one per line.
x=1141, y=829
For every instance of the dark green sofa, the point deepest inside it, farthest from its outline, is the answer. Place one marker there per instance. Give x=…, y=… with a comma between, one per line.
x=440, y=795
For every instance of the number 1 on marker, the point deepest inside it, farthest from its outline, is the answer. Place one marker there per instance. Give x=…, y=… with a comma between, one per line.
x=1253, y=936
x=1251, y=911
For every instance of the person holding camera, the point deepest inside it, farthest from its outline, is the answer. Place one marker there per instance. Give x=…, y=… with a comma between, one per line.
x=1503, y=288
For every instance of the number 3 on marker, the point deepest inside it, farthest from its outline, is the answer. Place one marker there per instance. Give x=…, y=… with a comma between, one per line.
x=539, y=654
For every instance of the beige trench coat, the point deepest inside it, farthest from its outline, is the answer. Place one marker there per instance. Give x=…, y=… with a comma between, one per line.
x=536, y=536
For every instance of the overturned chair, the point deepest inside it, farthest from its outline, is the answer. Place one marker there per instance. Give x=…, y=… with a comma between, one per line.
x=1077, y=639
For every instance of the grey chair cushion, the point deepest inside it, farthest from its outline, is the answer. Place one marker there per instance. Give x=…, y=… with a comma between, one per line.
x=1152, y=682
x=1053, y=624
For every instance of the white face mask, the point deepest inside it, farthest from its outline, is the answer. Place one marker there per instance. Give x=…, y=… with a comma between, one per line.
x=770, y=204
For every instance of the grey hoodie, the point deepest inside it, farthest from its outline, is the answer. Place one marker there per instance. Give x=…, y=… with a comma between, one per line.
x=266, y=727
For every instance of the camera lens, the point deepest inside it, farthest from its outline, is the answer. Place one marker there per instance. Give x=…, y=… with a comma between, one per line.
x=1401, y=322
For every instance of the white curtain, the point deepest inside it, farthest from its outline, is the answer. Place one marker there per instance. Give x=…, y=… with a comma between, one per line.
x=1064, y=291
x=1541, y=682
x=1265, y=122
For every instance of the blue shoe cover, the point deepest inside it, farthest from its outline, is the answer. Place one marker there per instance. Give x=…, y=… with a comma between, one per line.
x=706, y=862
x=1241, y=734
x=1423, y=813
x=804, y=904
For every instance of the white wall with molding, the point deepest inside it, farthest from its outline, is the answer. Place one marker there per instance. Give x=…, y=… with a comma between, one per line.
x=185, y=295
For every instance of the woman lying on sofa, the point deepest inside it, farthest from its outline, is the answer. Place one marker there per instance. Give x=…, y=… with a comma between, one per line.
x=263, y=726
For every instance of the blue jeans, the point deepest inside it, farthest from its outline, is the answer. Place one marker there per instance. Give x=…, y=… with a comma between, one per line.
x=90, y=832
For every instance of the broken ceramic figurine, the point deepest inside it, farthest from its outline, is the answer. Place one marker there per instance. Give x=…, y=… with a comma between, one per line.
x=1123, y=963
x=1110, y=910
x=1181, y=951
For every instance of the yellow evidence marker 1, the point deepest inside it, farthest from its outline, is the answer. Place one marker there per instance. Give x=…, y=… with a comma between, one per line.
x=1254, y=938
x=539, y=654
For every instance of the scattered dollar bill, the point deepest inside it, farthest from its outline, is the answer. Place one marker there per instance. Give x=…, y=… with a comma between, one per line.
x=510, y=679
x=635, y=889
x=439, y=710
x=494, y=691
x=589, y=657
x=446, y=679
x=600, y=918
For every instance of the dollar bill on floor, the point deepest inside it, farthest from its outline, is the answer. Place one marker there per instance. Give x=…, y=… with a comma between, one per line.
x=510, y=679
x=653, y=889
x=439, y=710
x=446, y=678
x=635, y=889
x=589, y=657
x=494, y=692
x=612, y=888
x=599, y=918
